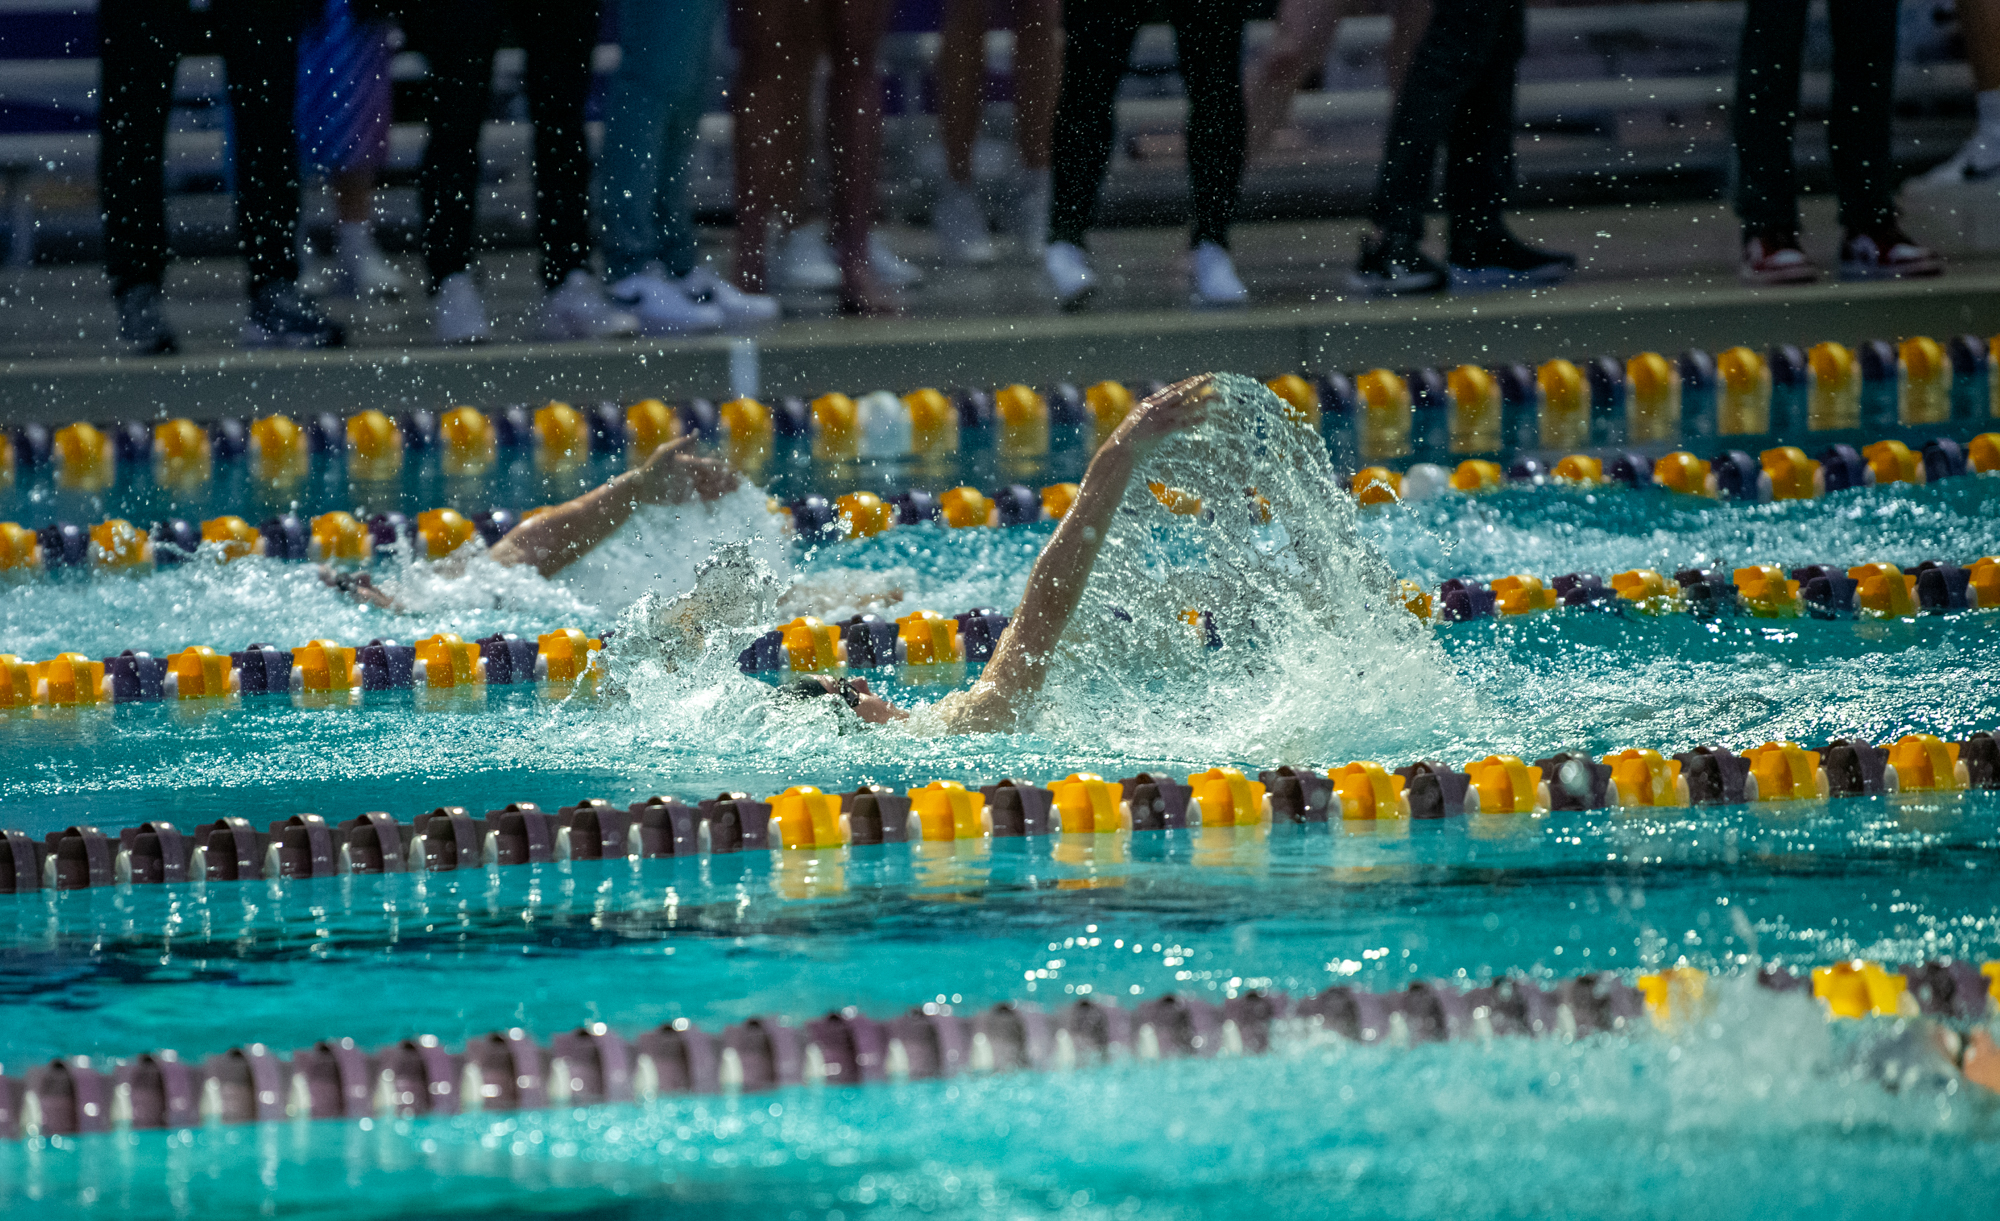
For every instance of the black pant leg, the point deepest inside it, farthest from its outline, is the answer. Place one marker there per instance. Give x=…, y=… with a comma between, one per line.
x=139, y=47
x=1098, y=42
x=1452, y=55
x=259, y=42
x=561, y=35
x=1479, y=148
x=1767, y=108
x=1208, y=41
x=457, y=40
x=1862, y=109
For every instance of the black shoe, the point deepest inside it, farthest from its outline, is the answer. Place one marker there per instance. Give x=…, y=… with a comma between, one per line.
x=1504, y=261
x=140, y=325
x=1392, y=265
x=281, y=317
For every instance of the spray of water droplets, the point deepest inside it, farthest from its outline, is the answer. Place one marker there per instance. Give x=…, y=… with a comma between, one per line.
x=1260, y=624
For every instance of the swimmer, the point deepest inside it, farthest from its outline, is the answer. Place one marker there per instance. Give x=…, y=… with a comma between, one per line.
x=1927, y=1054
x=1020, y=660
x=551, y=541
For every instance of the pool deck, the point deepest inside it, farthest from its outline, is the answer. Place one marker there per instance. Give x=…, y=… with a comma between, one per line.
x=1664, y=282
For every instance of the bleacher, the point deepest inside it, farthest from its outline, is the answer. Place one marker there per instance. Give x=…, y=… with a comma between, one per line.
x=1618, y=100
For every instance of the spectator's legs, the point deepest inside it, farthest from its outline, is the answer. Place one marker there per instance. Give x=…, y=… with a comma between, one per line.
x=854, y=145
x=354, y=195
x=1767, y=108
x=1980, y=22
x=1037, y=78
x=1304, y=36
x=961, y=80
x=780, y=45
x=1479, y=150
x=1208, y=41
x=344, y=101
x=1408, y=21
x=1454, y=53
x=1860, y=111
x=961, y=71
x=139, y=44
x=1097, y=43
x=458, y=41
x=1978, y=159
x=259, y=43
x=650, y=117
x=674, y=206
x=561, y=34
x=958, y=215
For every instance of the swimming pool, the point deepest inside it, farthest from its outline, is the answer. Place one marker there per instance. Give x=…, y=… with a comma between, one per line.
x=1760, y=1103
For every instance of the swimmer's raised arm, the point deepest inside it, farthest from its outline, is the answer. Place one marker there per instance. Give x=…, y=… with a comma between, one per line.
x=1021, y=659
x=551, y=541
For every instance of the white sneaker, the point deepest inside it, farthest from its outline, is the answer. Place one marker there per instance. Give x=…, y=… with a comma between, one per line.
x=1070, y=274
x=959, y=221
x=805, y=261
x=663, y=307
x=365, y=270
x=739, y=309
x=318, y=277
x=896, y=272
x=461, y=315
x=1978, y=160
x=1216, y=285
x=1031, y=215
x=578, y=309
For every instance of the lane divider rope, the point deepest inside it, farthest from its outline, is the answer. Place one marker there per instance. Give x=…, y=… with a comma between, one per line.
x=449, y=838
x=508, y=1070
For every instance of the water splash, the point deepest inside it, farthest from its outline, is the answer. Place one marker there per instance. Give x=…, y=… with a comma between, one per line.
x=662, y=546
x=1261, y=625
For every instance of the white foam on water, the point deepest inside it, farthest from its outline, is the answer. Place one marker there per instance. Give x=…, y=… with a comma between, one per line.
x=662, y=545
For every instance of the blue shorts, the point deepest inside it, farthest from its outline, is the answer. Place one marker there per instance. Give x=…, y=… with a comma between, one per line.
x=344, y=94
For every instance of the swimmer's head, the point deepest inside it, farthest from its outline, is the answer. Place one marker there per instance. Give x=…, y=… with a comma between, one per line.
x=853, y=692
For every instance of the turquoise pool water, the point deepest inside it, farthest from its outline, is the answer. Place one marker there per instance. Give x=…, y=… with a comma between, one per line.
x=1758, y=1107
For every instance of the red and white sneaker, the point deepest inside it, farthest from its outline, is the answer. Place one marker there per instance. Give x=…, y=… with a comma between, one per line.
x=1886, y=253
x=1775, y=259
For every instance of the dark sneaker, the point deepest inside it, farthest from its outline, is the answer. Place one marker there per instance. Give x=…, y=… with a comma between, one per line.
x=1504, y=261
x=281, y=317
x=1393, y=266
x=1886, y=253
x=140, y=325
x=1775, y=258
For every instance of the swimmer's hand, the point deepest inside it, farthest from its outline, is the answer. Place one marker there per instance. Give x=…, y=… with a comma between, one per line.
x=673, y=475
x=867, y=705
x=1158, y=416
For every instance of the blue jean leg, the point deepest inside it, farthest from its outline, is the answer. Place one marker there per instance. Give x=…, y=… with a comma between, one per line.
x=650, y=115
